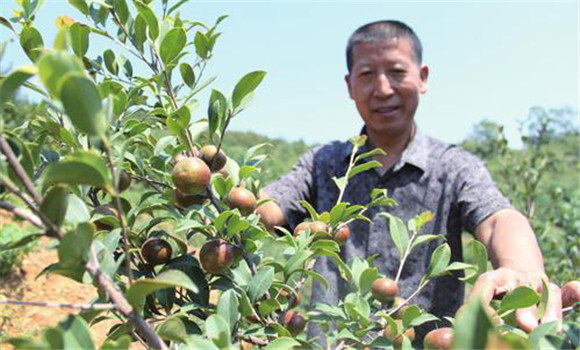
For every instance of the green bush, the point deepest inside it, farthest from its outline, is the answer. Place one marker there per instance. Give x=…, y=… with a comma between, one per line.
x=10, y=259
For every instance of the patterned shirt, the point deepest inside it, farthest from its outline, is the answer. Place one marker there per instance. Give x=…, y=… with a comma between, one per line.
x=430, y=176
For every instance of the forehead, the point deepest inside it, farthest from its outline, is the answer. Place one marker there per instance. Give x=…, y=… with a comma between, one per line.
x=395, y=50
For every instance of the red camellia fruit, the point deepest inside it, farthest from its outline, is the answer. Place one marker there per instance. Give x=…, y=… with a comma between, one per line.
x=439, y=339
x=341, y=235
x=293, y=321
x=208, y=153
x=314, y=226
x=216, y=256
x=242, y=199
x=156, y=251
x=570, y=293
x=384, y=290
x=191, y=175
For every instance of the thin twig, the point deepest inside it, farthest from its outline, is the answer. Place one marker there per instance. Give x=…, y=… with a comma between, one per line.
x=87, y=306
x=33, y=219
x=13, y=162
x=406, y=301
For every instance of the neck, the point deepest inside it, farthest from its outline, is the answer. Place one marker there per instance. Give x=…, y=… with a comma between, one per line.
x=393, y=146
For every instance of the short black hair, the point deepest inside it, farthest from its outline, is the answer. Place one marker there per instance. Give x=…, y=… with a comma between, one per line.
x=381, y=31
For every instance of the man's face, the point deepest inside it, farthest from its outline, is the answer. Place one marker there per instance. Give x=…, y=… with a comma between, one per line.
x=385, y=83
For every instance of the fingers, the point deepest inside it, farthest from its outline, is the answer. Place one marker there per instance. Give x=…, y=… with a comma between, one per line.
x=527, y=319
x=484, y=287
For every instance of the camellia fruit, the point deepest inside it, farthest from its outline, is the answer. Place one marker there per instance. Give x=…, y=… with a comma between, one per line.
x=384, y=290
x=314, y=226
x=186, y=200
x=216, y=256
x=293, y=321
x=570, y=293
x=208, y=153
x=397, y=338
x=107, y=210
x=401, y=311
x=156, y=251
x=292, y=299
x=341, y=235
x=191, y=175
x=241, y=199
x=124, y=180
x=439, y=339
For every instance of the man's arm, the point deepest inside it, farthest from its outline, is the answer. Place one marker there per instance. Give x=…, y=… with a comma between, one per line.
x=517, y=259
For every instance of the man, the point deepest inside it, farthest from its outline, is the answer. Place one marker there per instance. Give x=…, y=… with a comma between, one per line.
x=385, y=80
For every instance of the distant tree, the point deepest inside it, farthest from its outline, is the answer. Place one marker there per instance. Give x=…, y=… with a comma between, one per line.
x=483, y=139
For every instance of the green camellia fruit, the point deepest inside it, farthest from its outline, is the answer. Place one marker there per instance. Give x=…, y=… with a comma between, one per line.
x=384, y=290
x=293, y=321
x=439, y=339
x=397, y=337
x=212, y=158
x=216, y=256
x=241, y=199
x=186, y=200
x=191, y=175
x=124, y=180
x=156, y=251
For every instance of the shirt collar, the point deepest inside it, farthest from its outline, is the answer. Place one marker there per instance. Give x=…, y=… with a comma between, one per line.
x=416, y=153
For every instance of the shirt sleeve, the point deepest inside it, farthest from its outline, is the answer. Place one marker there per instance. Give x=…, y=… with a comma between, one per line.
x=293, y=187
x=477, y=195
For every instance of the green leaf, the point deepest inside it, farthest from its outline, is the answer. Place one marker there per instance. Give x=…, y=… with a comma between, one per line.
x=13, y=81
x=410, y=314
x=121, y=343
x=310, y=209
x=296, y=261
x=540, y=332
x=366, y=279
x=316, y=276
x=282, y=343
x=55, y=203
x=364, y=167
x=168, y=279
x=122, y=10
x=519, y=298
x=216, y=329
x=439, y=261
x=7, y=24
x=201, y=44
x=216, y=111
x=77, y=210
x=21, y=242
x=178, y=121
x=417, y=223
x=140, y=30
x=150, y=19
x=82, y=103
x=260, y=283
x=111, y=61
x=197, y=342
x=398, y=232
x=172, y=329
x=425, y=238
x=471, y=326
x=73, y=252
x=54, y=66
x=424, y=318
x=245, y=86
x=543, y=304
x=187, y=74
x=80, y=5
x=173, y=42
x=76, y=333
x=337, y=213
x=80, y=168
x=375, y=152
x=31, y=42
x=79, y=35
x=474, y=253
x=456, y=266
x=227, y=308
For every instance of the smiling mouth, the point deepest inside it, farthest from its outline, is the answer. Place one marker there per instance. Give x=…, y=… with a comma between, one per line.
x=386, y=110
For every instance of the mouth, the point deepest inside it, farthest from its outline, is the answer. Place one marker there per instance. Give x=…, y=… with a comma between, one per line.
x=386, y=111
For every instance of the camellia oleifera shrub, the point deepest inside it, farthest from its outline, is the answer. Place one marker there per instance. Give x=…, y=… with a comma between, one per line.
x=128, y=173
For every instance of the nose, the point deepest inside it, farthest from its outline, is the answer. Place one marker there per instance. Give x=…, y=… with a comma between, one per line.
x=383, y=86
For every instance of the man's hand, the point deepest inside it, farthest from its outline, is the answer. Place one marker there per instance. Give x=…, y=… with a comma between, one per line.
x=504, y=280
x=514, y=252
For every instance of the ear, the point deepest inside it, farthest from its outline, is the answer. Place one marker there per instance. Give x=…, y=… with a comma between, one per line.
x=424, y=75
x=348, y=85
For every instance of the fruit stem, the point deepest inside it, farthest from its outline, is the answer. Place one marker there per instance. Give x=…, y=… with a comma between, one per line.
x=409, y=298
x=407, y=252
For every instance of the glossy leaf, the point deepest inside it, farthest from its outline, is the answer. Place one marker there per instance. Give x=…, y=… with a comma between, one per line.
x=187, y=74
x=216, y=329
x=150, y=18
x=439, y=261
x=425, y=238
x=227, y=308
x=140, y=30
x=366, y=279
x=246, y=86
x=216, y=111
x=168, y=279
x=80, y=168
x=55, y=204
x=122, y=10
x=172, y=329
x=55, y=66
x=82, y=103
x=260, y=283
x=471, y=326
x=111, y=61
x=31, y=42
x=519, y=298
x=201, y=45
x=79, y=36
x=121, y=343
x=282, y=343
x=398, y=232
x=173, y=43
x=76, y=333
x=474, y=253
x=364, y=167
x=10, y=84
x=80, y=5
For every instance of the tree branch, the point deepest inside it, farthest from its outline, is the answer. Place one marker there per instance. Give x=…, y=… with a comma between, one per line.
x=33, y=219
x=88, y=306
x=7, y=150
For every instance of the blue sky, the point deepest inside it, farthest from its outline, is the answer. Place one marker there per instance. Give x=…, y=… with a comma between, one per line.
x=487, y=59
